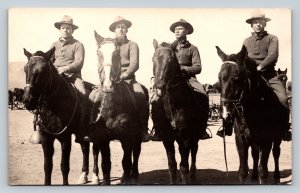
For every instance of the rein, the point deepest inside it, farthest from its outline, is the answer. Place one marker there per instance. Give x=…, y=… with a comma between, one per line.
x=37, y=114
x=40, y=123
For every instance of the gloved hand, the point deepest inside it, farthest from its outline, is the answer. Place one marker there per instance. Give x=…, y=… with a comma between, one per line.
x=184, y=69
x=62, y=69
x=124, y=76
x=258, y=68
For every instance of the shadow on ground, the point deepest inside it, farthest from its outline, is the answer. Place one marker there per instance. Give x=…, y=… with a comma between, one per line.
x=206, y=177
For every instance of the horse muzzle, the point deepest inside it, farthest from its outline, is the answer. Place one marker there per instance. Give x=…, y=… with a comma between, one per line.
x=29, y=101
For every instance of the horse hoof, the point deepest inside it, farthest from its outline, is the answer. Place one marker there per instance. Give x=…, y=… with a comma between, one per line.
x=83, y=178
x=95, y=180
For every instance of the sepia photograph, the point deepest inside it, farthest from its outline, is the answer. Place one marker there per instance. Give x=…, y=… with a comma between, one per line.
x=148, y=96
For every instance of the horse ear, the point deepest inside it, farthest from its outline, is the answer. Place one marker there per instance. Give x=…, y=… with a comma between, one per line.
x=155, y=44
x=50, y=53
x=99, y=39
x=243, y=53
x=221, y=54
x=279, y=70
x=27, y=54
x=285, y=71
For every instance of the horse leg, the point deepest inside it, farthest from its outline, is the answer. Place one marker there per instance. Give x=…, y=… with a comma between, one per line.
x=95, y=178
x=242, y=148
x=105, y=162
x=276, y=154
x=65, y=158
x=126, y=162
x=265, y=150
x=193, y=168
x=184, y=150
x=170, y=150
x=255, y=156
x=48, y=149
x=135, y=166
x=85, y=148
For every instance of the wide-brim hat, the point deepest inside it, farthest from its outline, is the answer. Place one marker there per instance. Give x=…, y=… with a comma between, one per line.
x=183, y=23
x=66, y=20
x=118, y=21
x=257, y=14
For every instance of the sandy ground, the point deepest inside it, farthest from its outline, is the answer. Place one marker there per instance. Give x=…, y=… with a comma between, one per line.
x=26, y=159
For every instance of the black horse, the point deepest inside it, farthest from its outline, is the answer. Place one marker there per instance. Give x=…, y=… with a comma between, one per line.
x=259, y=118
x=114, y=113
x=57, y=109
x=179, y=114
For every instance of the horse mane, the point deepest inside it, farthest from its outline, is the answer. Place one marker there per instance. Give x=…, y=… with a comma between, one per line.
x=39, y=53
x=165, y=44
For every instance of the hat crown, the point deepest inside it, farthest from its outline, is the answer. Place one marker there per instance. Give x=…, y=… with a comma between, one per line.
x=183, y=23
x=119, y=18
x=67, y=19
x=258, y=14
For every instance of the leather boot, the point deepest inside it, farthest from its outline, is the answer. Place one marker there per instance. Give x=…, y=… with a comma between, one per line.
x=227, y=128
x=204, y=135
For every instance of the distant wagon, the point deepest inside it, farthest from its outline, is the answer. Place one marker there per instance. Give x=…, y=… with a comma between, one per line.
x=214, y=105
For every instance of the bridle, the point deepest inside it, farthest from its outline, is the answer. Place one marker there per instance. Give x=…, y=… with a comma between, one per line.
x=170, y=83
x=100, y=70
x=50, y=78
x=44, y=97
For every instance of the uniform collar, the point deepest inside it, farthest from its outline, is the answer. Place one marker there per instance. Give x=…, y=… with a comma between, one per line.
x=260, y=35
x=121, y=41
x=180, y=44
x=63, y=41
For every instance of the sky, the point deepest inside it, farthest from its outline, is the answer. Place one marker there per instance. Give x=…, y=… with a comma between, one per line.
x=33, y=29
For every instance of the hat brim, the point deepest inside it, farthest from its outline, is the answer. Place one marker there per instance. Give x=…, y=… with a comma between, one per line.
x=254, y=18
x=58, y=24
x=112, y=27
x=187, y=25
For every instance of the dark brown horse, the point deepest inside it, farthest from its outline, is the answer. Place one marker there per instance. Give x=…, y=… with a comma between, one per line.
x=179, y=114
x=281, y=74
x=114, y=113
x=57, y=109
x=259, y=118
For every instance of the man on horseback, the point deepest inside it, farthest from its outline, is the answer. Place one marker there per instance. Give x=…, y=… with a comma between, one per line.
x=189, y=59
x=263, y=48
x=129, y=60
x=68, y=60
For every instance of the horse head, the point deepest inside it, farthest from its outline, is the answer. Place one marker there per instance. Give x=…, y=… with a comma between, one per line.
x=109, y=67
x=165, y=66
x=281, y=74
x=234, y=78
x=38, y=77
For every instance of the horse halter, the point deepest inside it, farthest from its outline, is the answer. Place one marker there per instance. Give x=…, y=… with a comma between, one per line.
x=237, y=103
x=48, y=82
x=169, y=81
x=102, y=66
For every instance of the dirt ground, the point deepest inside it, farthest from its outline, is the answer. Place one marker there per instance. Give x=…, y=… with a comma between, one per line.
x=26, y=159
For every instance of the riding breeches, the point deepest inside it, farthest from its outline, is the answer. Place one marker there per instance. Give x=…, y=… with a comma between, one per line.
x=279, y=90
x=197, y=86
